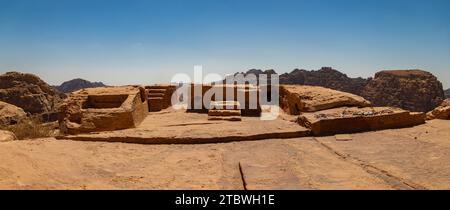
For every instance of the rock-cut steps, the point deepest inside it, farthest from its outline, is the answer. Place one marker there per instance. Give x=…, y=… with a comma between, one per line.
x=159, y=97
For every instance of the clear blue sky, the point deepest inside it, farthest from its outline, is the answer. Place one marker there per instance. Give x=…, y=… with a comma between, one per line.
x=123, y=42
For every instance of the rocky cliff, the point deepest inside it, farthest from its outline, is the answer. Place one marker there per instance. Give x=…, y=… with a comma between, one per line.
x=325, y=77
x=414, y=90
x=77, y=84
x=447, y=93
x=29, y=92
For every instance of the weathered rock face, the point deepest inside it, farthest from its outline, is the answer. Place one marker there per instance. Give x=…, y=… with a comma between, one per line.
x=414, y=90
x=441, y=112
x=325, y=77
x=10, y=114
x=447, y=93
x=353, y=119
x=295, y=99
x=7, y=136
x=103, y=109
x=77, y=84
x=28, y=92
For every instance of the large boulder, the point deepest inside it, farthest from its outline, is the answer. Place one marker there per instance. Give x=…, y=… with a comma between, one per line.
x=413, y=90
x=7, y=136
x=77, y=84
x=295, y=99
x=10, y=114
x=441, y=112
x=29, y=92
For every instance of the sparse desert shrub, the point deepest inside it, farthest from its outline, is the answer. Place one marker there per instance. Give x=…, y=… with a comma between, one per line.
x=31, y=128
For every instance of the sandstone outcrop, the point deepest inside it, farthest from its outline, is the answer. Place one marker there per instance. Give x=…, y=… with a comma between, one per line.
x=7, y=136
x=103, y=109
x=29, y=92
x=77, y=84
x=441, y=112
x=295, y=99
x=352, y=119
x=413, y=90
x=10, y=114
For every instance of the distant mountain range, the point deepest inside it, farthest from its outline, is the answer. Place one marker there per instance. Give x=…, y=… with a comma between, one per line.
x=77, y=84
x=325, y=77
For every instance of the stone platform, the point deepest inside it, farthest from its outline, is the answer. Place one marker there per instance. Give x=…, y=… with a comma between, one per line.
x=178, y=127
x=408, y=158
